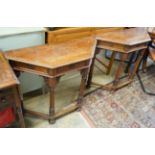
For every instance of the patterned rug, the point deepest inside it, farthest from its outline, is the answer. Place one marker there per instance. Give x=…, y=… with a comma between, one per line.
x=128, y=107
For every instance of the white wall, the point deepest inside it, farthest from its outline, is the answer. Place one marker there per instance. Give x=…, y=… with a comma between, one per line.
x=14, y=38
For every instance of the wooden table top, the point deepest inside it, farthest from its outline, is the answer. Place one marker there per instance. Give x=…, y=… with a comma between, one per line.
x=129, y=37
x=7, y=76
x=57, y=55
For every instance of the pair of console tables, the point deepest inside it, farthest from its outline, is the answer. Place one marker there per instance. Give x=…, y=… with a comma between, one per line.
x=53, y=61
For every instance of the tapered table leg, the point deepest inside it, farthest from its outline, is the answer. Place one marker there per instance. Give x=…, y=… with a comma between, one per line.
x=18, y=106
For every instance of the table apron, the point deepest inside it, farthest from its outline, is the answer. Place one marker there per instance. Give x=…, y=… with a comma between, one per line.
x=120, y=47
x=46, y=72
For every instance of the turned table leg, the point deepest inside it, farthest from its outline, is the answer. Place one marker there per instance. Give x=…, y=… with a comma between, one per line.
x=140, y=57
x=112, y=59
x=91, y=69
x=19, y=90
x=84, y=74
x=130, y=63
x=119, y=71
x=52, y=83
x=90, y=75
x=18, y=106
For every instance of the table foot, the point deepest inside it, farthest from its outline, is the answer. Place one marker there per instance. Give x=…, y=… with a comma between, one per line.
x=88, y=86
x=52, y=121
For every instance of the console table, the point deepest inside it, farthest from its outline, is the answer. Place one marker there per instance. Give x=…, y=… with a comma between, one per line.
x=125, y=42
x=52, y=62
x=9, y=81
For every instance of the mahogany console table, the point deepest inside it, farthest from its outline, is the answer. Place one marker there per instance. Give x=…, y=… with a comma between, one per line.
x=52, y=62
x=9, y=81
x=125, y=42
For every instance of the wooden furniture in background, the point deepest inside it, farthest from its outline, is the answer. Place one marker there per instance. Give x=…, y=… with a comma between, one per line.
x=150, y=52
x=125, y=42
x=151, y=31
x=9, y=81
x=52, y=62
x=67, y=34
